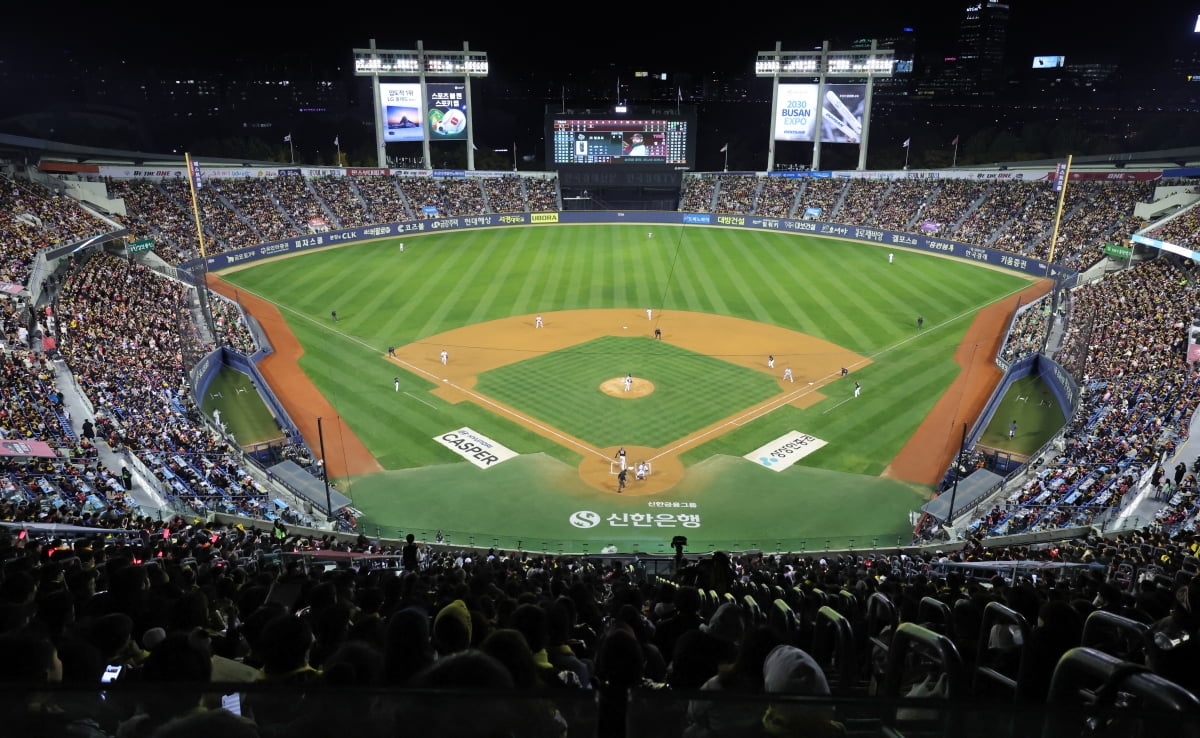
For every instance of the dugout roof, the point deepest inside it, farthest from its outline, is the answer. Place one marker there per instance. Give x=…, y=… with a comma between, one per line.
x=970, y=491
x=298, y=480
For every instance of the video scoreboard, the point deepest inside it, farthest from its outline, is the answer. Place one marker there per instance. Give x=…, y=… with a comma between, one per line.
x=645, y=142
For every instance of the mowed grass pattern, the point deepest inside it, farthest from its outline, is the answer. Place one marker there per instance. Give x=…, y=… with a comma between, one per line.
x=843, y=292
x=691, y=391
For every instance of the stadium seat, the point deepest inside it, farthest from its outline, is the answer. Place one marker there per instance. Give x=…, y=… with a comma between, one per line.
x=1088, y=678
x=987, y=678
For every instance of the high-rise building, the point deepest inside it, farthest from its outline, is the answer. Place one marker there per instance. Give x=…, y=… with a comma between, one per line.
x=981, y=42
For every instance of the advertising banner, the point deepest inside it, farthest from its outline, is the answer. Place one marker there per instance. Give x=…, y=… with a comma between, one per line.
x=785, y=450
x=447, y=105
x=401, y=107
x=836, y=117
x=475, y=447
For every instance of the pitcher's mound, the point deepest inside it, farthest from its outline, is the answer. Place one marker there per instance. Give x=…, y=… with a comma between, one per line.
x=616, y=387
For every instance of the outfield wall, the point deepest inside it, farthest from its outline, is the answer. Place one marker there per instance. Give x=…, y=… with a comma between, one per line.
x=917, y=242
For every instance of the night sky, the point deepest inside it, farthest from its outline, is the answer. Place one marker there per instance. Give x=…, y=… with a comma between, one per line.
x=569, y=37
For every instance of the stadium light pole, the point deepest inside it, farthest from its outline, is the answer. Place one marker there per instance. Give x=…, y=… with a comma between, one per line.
x=325, y=473
x=822, y=65
x=420, y=63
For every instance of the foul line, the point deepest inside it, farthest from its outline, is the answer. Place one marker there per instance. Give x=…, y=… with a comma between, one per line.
x=418, y=399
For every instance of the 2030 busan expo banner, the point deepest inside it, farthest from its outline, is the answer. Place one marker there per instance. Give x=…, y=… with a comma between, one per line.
x=837, y=116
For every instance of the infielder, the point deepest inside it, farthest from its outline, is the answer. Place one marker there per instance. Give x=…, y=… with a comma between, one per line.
x=787, y=374
x=537, y=322
x=771, y=361
x=628, y=382
x=445, y=356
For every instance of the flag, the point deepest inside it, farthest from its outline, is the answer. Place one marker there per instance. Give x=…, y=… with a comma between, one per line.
x=287, y=138
x=680, y=91
x=337, y=140
x=954, y=142
x=907, y=141
x=724, y=148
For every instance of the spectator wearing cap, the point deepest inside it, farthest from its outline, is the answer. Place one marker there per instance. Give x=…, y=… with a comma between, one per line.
x=727, y=624
x=790, y=671
x=452, y=628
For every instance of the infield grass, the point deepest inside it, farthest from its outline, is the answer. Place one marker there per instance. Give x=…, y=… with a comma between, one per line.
x=843, y=292
x=563, y=389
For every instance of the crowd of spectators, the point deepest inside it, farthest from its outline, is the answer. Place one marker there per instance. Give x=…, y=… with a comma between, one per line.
x=33, y=218
x=321, y=636
x=542, y=195
x=504, y=194
x=1027, y=334
x=697, y=195
x=903, y=203
x=951, y=201
x=1182, y=230
x=230, y=324
x=822, y=195
x=129, y=331
x=736, y=193
x=777, y=196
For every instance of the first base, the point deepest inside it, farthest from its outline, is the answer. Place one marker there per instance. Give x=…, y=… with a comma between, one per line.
x=445, y=380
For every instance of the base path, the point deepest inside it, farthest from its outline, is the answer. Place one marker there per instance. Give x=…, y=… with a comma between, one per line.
x=931, y=450
x=301, y=399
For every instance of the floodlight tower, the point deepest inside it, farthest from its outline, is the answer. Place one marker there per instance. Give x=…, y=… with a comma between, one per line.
x=420, y=63
x=865, y=64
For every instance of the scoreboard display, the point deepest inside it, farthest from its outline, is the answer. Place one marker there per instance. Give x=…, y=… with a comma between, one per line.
x=643, y=142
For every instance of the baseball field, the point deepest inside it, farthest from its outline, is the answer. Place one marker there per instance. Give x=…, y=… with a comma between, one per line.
x=511, y=437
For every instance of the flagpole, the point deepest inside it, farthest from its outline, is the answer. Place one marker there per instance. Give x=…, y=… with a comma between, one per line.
x=727, y=157
x=292, y=148
x=907, y=149
x=337, y=141
x=955, y=162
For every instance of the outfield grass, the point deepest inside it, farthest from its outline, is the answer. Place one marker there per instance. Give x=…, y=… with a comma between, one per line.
x=562, y=388
x=846, y=293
